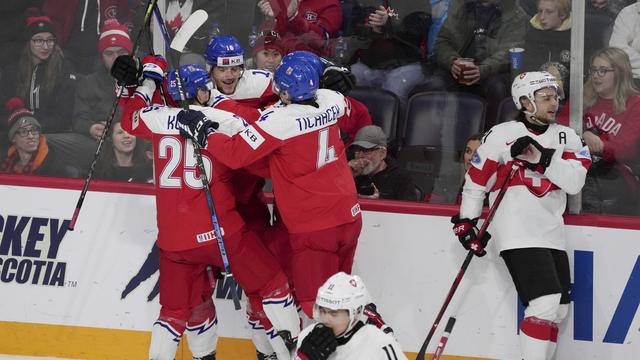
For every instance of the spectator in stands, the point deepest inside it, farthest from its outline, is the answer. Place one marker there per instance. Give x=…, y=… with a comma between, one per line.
x=303, y=24
x=448, y=187
x=609, y=7
x=268, y=51
x=124, y=157
x=378, y=176
x=78, y=27
x=389, y=45
x=612, y=132
x=626, y=36
x=96, y=92
x=42, y=77
x=548, y=36
x=561, y=73
x=482, y=30
x=29, y=153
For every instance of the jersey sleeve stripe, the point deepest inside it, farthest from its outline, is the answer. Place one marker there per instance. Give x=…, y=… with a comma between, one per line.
x=482, y=176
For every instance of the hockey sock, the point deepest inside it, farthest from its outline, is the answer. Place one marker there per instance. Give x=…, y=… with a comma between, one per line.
x=164, y=340
x=258, y=334
x=538, y=338
x=202, y=329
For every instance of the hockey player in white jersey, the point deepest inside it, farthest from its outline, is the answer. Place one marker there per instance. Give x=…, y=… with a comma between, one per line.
x=528, y=227
x=249, y=87
x=341, y=332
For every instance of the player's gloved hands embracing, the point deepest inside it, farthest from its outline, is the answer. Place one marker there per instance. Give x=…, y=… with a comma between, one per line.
x=318, y=345
x=194, y=125
x=338, y=78
x=464, y=230
x=126, y=69
x=527, y=149
x=154, y=67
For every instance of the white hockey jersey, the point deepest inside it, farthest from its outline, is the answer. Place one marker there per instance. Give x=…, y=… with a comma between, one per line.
x=255, y=89
x=530, y=214
x=368, y=343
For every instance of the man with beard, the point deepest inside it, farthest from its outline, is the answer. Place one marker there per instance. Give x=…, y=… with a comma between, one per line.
x=378, y=176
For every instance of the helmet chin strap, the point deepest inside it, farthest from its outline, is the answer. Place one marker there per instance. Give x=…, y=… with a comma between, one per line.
x=531, y=116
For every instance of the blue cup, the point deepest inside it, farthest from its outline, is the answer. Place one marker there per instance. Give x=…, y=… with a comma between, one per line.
x=516, y=57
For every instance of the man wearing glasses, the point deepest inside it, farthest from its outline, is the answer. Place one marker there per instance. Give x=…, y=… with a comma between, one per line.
x=377, y=176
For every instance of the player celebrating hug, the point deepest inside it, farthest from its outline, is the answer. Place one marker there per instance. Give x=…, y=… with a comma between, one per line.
x=528, y=227
x=312, y=183
x=185, y=230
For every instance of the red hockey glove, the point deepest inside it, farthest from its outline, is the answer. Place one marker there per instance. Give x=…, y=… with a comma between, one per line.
x=154, y=67
x=530, y=151
x=374, y=318
x=318, y=345
x=464, y=230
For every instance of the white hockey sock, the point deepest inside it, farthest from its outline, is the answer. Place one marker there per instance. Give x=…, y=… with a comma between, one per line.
x=259, y=336
x=202, y=338
x=164, y=341
x=538, y=338
x=282, y=313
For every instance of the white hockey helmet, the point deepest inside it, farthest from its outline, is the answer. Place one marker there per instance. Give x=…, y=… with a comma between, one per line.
x=527, y=83
x=343, y=292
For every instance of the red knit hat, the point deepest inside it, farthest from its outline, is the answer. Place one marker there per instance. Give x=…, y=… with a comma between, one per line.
x=114, y=34
x=19, y=116
x=268, y=40
x=37, y=22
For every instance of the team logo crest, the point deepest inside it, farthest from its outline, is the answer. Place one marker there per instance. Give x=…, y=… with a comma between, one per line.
x=476, y=159
x=311, y=16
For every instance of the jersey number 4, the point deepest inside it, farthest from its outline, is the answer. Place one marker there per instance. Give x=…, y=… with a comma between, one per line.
x=176, y=152
x=326, y=154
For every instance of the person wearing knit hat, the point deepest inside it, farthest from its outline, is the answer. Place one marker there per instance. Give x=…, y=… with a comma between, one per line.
x=114, y=41
x=29, y=152
x=96, y=91
x=41, y=76
x=268, y=51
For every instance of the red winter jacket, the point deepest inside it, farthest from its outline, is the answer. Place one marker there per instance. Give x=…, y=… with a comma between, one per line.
x=63, y=13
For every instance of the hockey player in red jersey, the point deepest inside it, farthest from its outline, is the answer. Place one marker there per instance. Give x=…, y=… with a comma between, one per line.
x=313, y=186
x=185, y=234
x=528, y=227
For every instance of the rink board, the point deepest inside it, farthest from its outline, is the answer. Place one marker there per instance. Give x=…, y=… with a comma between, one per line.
x=61, y=293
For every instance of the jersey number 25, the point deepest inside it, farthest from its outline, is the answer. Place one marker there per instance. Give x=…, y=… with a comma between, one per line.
x=173, y=149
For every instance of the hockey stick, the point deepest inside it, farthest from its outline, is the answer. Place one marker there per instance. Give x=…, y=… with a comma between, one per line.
x=72, y=224
x=465, y=264
x=190, y=26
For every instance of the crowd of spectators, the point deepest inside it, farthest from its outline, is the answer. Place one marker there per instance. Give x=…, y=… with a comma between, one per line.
x=56, y=58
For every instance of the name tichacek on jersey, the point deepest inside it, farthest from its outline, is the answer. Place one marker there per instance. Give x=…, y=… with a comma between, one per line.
x=29, y=250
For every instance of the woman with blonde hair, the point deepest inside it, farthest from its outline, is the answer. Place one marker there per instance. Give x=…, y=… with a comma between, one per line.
x=612, y=132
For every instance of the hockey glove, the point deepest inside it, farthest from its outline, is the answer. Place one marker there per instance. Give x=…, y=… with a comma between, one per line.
x=339, y=79
x=194, y=125
x=374, y=318
x=126, y=69
x=154, y=67
x=464, y=230
x=318, y=345
x=530, y=151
